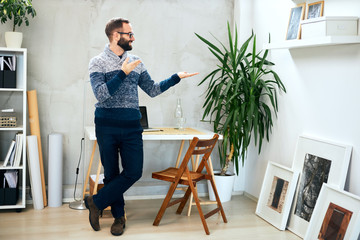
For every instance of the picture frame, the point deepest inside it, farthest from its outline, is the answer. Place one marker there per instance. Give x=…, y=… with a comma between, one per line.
x=276, y=195
x=294, y=28
x=337, y=215
x=317, y=161
x=315, y=10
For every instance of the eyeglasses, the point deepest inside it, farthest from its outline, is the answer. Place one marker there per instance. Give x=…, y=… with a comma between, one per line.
x=131, y=34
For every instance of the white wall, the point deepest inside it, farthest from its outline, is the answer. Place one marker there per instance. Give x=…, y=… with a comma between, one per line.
x=322, y=90
x=321, y=82
x=63, y=37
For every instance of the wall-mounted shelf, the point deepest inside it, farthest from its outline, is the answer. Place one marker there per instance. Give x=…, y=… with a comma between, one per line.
x=315, y=42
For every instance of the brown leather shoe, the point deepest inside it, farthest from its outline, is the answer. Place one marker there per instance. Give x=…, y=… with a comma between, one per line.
x=117, y=228
x=93, y=213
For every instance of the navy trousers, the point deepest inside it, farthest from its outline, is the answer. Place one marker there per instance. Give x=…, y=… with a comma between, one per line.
x=126, y=141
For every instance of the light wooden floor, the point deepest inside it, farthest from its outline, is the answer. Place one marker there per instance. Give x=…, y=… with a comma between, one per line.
x=66, y=223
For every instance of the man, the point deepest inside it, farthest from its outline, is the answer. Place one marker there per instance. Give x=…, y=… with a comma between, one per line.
x=115, y=76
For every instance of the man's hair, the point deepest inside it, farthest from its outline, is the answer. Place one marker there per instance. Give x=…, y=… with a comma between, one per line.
x=113, y=24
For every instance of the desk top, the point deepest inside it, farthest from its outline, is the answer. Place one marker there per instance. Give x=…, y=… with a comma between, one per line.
x=167, y=133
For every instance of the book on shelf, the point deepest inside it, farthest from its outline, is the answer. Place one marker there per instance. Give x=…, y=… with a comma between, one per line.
x=13, y=156
x=18, y=150
x=9, y=153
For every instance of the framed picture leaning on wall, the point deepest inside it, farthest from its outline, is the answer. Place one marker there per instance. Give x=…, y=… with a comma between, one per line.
x=337, y=215
x=276, y=194
x=296, y=15
x=317, y=161
x=315, y=10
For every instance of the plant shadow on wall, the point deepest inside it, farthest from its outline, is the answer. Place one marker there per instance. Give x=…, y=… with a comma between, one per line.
x=241, y=97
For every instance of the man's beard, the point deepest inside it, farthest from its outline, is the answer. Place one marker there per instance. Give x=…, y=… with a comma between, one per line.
x=124, y=44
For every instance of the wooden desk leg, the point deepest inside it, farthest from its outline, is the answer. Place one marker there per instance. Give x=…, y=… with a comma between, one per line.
x=89, y=169
x=179, y=154
x=97, y=178
x=202, y=202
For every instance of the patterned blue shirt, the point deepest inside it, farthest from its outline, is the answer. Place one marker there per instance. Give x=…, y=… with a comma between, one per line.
x=117, y=94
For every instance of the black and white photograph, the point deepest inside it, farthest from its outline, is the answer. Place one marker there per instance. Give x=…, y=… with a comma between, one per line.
x=314, y=174
x=318, y=161
x=315, y=10
x=296, y=15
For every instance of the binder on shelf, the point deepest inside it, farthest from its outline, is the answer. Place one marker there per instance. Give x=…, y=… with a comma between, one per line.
x=8, y=71
x=9, y=79
x=1, y=71
x=9, y=187
x=1, y=79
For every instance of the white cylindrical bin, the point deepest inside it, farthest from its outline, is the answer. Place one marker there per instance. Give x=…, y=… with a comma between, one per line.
x=224, y=186
x=34, y=170
x=55, y=170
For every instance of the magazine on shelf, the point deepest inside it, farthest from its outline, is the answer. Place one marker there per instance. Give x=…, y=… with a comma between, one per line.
x=10, y=151
x=14, y=153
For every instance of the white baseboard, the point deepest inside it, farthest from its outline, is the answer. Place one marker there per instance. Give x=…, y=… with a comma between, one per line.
x=252, y=197
x=134, y=194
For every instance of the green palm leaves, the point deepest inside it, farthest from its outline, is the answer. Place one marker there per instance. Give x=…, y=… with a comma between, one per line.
x=241, y=96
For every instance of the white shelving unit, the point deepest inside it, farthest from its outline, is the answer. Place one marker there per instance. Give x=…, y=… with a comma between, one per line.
x=15, y=98
x=314, y=42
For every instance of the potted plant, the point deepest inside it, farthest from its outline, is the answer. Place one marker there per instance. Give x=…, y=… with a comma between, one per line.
x=17, y=11
x=241, y=98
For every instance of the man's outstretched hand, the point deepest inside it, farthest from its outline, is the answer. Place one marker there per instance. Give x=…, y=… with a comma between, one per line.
x=128, y=67
x=186, y=74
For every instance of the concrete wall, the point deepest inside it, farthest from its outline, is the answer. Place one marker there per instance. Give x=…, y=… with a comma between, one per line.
x=322, y=89
x=66, y=34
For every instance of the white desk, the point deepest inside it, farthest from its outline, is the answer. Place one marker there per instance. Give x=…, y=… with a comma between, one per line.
x=167, y=134
x=164, y=135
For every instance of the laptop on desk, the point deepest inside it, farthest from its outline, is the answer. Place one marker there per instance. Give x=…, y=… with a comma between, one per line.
x=144, y=121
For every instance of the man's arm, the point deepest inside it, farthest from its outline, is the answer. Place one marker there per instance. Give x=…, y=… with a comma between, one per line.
x=104, y=90
x=186, y=74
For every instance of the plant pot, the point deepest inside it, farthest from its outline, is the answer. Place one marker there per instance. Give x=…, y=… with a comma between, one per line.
x=224, y=186
x=13, y=39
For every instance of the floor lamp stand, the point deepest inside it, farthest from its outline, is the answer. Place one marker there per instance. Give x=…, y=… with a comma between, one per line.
x=80, y=204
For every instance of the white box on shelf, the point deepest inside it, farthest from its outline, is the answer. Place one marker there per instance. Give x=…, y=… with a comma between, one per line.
x=329, y=26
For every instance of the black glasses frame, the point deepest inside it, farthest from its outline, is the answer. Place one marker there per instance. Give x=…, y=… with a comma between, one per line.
x=131, y=34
